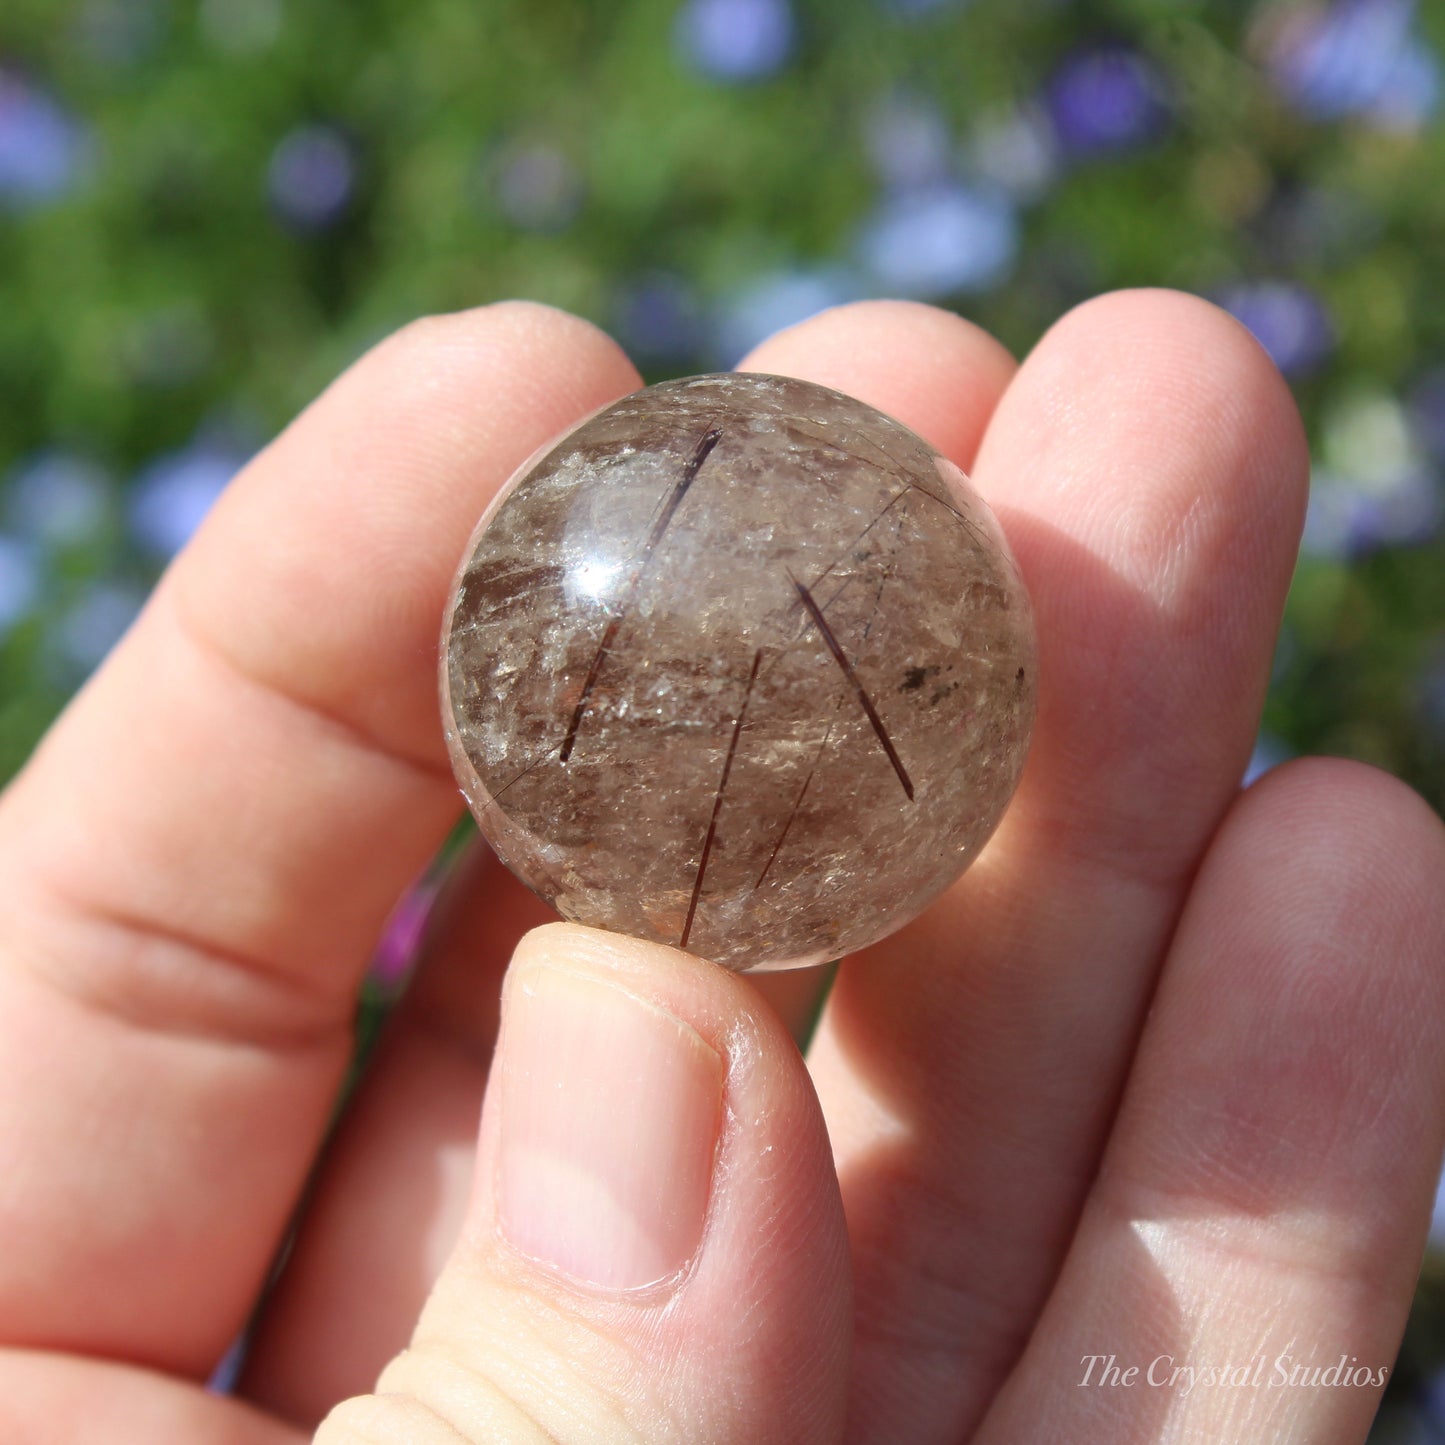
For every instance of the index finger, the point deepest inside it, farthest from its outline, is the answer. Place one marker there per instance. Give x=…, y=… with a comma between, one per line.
x=195, y=865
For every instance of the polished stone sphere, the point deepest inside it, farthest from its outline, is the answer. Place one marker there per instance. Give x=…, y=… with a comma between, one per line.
x=740, y=665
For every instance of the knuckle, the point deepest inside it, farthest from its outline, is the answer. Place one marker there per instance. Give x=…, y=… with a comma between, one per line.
x=389, y=1419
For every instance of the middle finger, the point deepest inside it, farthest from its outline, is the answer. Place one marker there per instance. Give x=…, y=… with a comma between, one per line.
x=1148, y=466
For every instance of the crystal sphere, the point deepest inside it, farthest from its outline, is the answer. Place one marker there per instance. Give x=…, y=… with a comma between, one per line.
x=740, y=665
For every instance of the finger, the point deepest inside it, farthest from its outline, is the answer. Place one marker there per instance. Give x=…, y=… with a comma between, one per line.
x=1264, y=1199
x=654, y=1249
x=388, y=1202
x=387, y=1205
x=935, y=371
x=1148, y=467
x=356, y=1278
x=46, y=1397
x=194, y=866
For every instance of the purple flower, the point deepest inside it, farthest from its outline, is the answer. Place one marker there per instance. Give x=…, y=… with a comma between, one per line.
x=1347, y=518
x=908, y=140
x=941, y=239
x=658, y=318
x=1332, y=528
x=88, y=630
x=42, y=147
x=537, y=187
x=779, y=300
x=1290, y=322
x=1408, y=513
x=1413, y=94
x=1016, y=151
x=311, y=178
x=1269, y=752
x=59, y=499
x=1372, y=488
x=227, y=1374
x=1106, y=100
x=173, y=494
x=402, y=936
x=21, y=576
x=735, y=40
x=1420, y=1417
x=1427, y=412
x=1357, y=57
x=915, y=9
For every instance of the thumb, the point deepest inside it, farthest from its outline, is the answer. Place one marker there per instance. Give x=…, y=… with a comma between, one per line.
x=655, y=1248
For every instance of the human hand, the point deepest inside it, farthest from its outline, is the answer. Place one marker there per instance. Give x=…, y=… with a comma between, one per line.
x=1159, y=1079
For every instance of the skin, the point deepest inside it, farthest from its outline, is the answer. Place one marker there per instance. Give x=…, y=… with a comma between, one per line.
x=1157, y=1077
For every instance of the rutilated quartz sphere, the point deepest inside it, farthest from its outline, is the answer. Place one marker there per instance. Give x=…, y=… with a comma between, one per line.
x=740, y=665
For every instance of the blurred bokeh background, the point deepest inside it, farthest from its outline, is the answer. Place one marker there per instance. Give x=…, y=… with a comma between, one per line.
x=207, y=207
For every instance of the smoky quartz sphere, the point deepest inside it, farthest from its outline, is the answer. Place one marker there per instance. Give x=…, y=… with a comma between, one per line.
x=740, y=665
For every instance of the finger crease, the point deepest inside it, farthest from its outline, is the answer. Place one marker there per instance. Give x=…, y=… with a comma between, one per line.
x=159, y=979
x=1197, y=1232
x=214, y=650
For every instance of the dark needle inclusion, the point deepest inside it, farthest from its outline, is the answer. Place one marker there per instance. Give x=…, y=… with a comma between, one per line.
x=740, y=665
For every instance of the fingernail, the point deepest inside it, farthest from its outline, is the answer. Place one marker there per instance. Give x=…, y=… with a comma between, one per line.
x=609, y=1120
